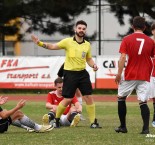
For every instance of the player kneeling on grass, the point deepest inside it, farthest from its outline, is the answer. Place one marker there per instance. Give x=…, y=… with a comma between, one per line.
x=71, y=115
x=17, y=118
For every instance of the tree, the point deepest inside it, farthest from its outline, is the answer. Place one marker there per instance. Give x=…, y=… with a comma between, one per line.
x=47, y=16
x=133, y=8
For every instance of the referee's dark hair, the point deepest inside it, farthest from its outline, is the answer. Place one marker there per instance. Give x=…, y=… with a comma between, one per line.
x=139, y=23
x=81, y=22
x=58, y=81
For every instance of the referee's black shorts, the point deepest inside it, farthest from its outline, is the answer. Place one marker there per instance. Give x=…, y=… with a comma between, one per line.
x=74, y=80
x=4, y=124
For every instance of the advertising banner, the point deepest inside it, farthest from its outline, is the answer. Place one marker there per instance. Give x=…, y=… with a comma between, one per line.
x=105, y=76
x=32, y=72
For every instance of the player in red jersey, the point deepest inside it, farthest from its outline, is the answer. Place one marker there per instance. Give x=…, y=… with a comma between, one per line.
x=152, y=80
x=138, y=49
x=71, y=116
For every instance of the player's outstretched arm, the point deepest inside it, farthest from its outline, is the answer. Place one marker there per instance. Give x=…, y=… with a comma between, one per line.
x=6, y=113
x=51, y=46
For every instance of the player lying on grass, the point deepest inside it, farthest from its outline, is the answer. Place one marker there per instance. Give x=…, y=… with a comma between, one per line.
x=71, y=115
x=15, y=117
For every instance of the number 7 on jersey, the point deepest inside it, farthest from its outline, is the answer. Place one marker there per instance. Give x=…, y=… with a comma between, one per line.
x=141, y=45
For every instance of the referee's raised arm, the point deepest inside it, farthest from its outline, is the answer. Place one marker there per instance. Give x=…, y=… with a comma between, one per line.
x=49, y=46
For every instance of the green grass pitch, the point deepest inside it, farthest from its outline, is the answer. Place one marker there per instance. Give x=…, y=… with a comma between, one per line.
x=106, y=113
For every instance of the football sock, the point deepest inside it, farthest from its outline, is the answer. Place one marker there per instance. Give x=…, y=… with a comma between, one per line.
x=71, y=117
x=154, y=112
x=122, y=111
x=28, y=122
x=51, y=115
x=145, y=113
x=91, y=112
x=18, y=124
x=60, y=110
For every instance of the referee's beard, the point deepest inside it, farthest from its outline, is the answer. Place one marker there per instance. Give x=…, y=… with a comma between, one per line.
x=80, y=34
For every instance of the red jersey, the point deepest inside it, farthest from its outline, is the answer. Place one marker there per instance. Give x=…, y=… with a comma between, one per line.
x=55, y=100
x=153, y=71
x=139, y=49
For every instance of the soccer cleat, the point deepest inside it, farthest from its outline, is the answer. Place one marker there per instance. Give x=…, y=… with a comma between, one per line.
x=153, y=123
x=121, y=129
x=75, y=120
x=30, y=130
x=145, y=131
x=46, y=128
x=95, y=124
x=45, y=120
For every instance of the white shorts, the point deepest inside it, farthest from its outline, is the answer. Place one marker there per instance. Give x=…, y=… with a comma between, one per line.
x=152, y=87
x=64, y=121
x=142, y=88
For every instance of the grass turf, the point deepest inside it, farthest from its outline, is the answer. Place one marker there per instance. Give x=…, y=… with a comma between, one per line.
x=106, y=113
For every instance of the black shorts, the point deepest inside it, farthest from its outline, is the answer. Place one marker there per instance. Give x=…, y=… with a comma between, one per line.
x=74, y=80
x=4, y=124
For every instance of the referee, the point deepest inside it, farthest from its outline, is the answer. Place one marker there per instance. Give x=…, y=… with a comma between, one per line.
x=78, y=52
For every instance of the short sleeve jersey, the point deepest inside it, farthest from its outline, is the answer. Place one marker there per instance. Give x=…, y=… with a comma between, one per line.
x=76, y=53
x=55, y=100
x=139, y=49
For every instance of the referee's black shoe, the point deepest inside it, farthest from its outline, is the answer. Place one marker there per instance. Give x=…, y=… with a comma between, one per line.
x=95, y=124
x=121, y=129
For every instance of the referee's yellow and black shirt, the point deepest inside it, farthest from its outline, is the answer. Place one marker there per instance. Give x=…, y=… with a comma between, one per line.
x=76, y=53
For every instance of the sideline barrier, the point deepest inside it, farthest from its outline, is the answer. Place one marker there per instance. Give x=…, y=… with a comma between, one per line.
x=28, y=72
